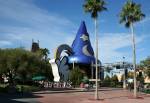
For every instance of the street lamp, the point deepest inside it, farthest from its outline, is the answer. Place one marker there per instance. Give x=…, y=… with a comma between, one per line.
x=73, y=65
x=124, y=77
x=74, y=59
x=92, y=65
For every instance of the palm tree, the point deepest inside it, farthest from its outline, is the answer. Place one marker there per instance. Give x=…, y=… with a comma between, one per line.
x=44, y=53
x=131, y=13
x=93, y=7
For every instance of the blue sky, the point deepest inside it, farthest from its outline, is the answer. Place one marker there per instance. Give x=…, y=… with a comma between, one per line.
x=55, y=22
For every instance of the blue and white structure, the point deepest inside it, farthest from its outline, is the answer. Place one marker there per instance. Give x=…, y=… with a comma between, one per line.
x=80, y=52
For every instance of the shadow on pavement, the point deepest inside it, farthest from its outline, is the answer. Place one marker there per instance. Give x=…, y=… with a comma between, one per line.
x=61, y=90
x=115, y=97
x=71, y=90
x=12, y=97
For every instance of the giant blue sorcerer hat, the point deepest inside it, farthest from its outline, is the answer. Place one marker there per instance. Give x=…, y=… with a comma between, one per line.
x=81, y=46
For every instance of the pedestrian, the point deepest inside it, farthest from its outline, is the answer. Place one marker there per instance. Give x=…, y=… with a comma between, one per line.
x=130, y=86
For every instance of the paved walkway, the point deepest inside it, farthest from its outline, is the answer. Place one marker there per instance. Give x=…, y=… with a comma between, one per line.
x=106, y=95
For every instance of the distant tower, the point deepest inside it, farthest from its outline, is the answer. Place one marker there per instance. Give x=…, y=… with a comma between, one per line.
x=35, y=46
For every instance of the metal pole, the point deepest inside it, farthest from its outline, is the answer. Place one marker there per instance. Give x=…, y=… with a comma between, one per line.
x=73, y=65
x=92, y=71
x=124, y=77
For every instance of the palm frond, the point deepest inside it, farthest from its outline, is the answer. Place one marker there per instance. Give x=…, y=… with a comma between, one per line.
x=94, y=6
x=130, y=13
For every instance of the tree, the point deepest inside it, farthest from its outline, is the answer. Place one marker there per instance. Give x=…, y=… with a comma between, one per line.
x=44, y=65
x=114, y=80
x=76, y=76
x=107, y=81
x=93, y=7
x=145, y=65
x=44, y=52
x=140, y=77
x=23, y=65
x=17, y=63
x=131, y=13
x=130, y=75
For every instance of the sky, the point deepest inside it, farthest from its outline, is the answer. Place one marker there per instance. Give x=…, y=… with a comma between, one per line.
x=56, y=22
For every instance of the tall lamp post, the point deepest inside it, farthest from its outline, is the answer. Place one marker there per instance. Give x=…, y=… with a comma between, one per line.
x=73, y=63
x=124, y=77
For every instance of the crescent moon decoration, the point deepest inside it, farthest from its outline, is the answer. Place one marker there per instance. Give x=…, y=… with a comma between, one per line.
x=85, y=51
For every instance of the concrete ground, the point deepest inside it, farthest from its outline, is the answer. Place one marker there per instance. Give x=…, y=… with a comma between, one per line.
x=106, y=95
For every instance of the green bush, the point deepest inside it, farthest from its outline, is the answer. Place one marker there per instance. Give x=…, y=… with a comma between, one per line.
x=27, y=88
x=147, y=85
x=3, y=88
x=76, y=76
x=147, y=91
x=106, y=81
x=111, y=82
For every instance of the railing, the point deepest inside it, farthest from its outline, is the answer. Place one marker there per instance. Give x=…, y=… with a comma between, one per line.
x=57, y=84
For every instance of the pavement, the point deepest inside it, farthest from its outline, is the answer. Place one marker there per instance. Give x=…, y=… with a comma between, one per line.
x=78, y=95
x=106, y=95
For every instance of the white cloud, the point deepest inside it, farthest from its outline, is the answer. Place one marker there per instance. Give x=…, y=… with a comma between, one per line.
x=145, y=20
x=24, y=21
x=111, y=43
x=26, y=12
x=4, y=43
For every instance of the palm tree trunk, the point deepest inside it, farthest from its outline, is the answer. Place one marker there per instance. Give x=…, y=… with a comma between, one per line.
x=134, y=59
x=96, y=58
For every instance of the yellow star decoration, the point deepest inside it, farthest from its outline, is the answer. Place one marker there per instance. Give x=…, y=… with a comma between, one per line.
x=84, y=37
